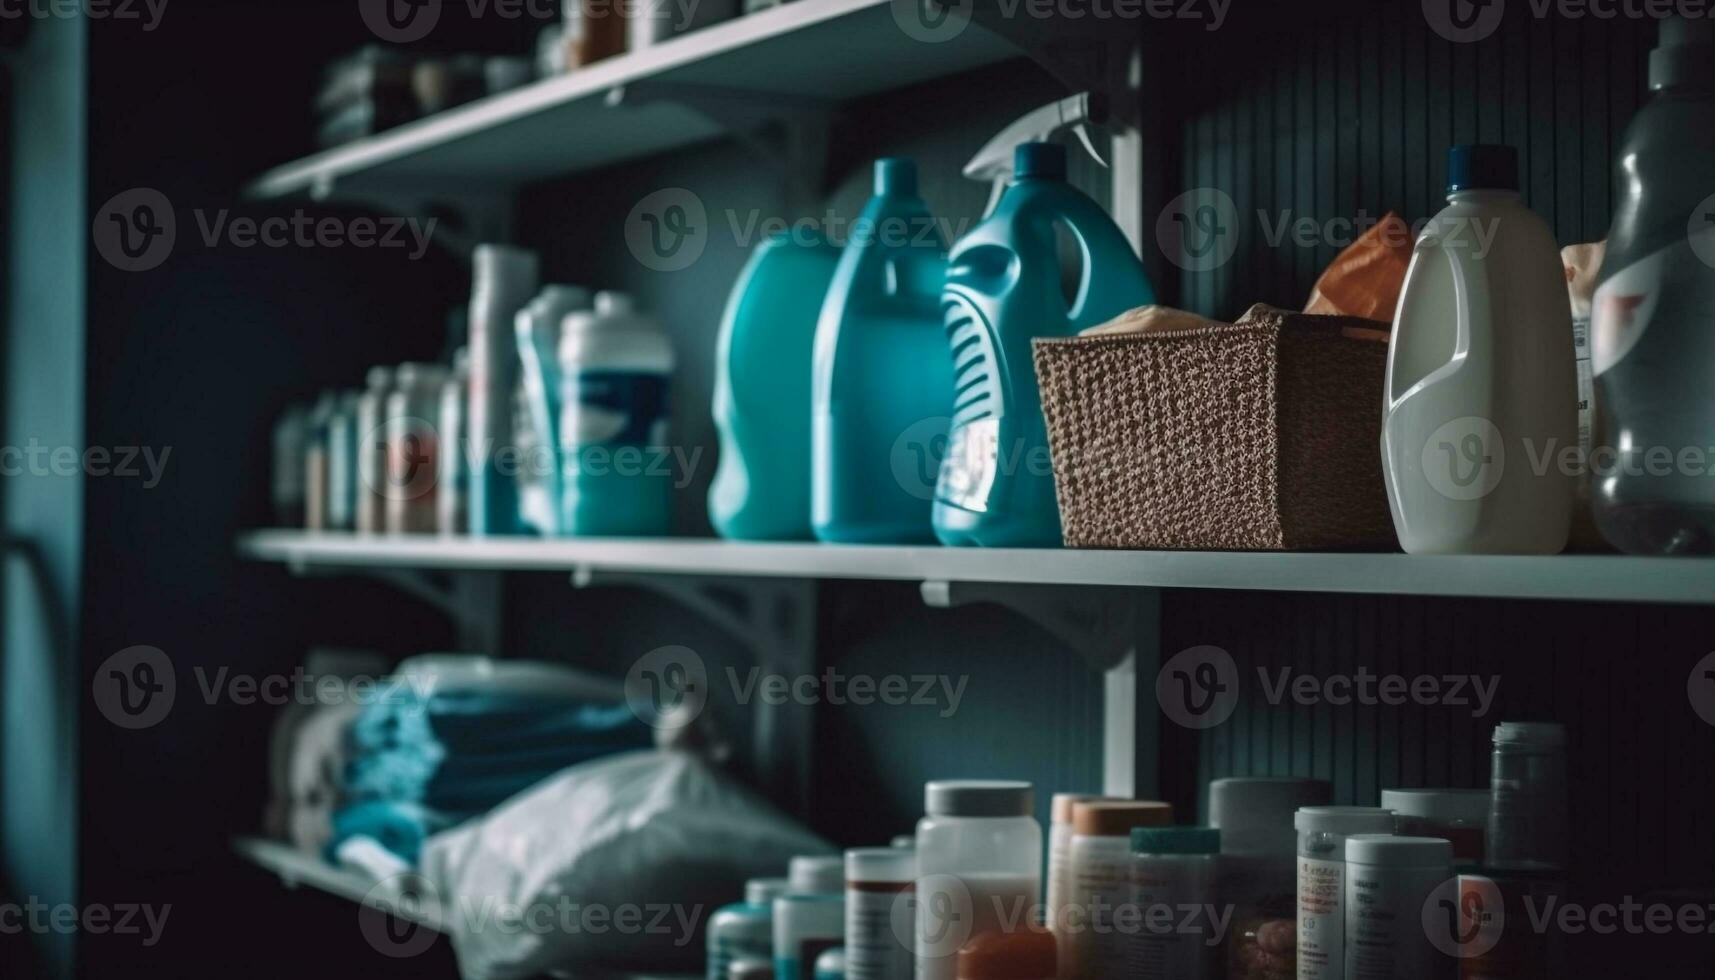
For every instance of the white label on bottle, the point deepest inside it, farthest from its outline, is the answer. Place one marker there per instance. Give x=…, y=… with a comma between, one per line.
x=1321, y=919
x=1171, y=942
x=1385, y=937
x=878, y=920
x=968, y=469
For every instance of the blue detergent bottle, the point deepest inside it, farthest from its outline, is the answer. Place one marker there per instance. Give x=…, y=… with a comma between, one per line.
x=761, y=489
x=996, y=484
x=882, y=385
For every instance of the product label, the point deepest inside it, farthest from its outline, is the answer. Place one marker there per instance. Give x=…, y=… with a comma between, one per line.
x=1385, y=934
x=968, y=469
x=1100, y=888
x=1321, y=919
x=614, y=408
x=1623, y=307
x=1165, y=946
x=879, y=920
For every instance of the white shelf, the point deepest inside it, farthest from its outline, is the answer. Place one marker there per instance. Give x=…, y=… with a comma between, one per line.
x=809, y=51
x=1593, y=578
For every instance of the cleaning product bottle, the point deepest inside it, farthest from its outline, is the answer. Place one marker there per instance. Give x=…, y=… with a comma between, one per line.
x=996, y=484
x=882, y=387
x=538, y=332
x=502, y=281
x=615, y=365
x=1651, y=342
x=761, y=489
x=1481, y=392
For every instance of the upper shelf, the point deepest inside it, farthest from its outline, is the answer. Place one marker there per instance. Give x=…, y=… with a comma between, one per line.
x=1592, y=578
x=802, y=54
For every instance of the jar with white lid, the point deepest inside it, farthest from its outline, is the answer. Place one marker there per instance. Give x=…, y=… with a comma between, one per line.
x=1258, y=870
x=1389, y=881
x=1528, y=801
x=1100, y=854
x=881, y=912
x=806, y=926
x=1459, y=815
x=816, y=874
x=1322, y=833
x=979, y=865
x=1174, y=869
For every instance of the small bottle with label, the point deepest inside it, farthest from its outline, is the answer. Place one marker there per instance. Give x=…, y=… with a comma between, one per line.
x=881, y=913
x=1090, y=946
x=1322, y=833
x=744, y=930
x=806, y=926
x=1389, y=882
x=1174, y=880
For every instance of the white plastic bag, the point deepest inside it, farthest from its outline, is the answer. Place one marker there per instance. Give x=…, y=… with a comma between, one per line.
x=613, y=864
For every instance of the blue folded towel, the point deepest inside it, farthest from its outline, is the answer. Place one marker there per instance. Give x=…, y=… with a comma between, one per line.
x=400, y=827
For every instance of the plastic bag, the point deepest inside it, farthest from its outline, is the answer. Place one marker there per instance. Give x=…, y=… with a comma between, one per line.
x=1364, y=280
x=613, y=864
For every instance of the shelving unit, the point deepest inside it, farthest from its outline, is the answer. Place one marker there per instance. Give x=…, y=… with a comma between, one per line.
x=1586, y=578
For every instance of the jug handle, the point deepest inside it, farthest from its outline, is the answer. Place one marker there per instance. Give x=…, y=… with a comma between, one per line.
x=1092, y=227
x=1470, y=279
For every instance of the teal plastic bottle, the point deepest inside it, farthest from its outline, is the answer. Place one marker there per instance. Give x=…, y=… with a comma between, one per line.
x=761, y=489
x=996, y=484
x=882, y=384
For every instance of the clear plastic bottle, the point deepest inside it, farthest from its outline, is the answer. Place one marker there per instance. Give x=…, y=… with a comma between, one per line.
x=979, y=865
x=1651, y=344
x=1322, y=833
x=1060, y=853
x=1528, y=802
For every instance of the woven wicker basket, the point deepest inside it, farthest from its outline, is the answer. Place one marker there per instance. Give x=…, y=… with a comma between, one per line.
x=1259, y=435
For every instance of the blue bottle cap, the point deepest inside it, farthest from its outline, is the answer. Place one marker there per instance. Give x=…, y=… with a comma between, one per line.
x=1482, y=167
x=1046, y=160
x=896, y=176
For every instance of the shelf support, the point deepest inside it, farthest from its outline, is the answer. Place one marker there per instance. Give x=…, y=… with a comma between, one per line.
x=775, y=618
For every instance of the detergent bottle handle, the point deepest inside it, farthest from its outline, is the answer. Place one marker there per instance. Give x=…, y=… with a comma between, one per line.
x=1100, y=286
x=1472, y=318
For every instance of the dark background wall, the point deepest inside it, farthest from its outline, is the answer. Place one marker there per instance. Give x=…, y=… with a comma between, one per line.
x=1283, y=109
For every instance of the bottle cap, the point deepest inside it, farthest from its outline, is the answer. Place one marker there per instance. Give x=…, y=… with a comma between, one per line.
x=1061, y=809
x=1444, y=806
x=1389, y=851
x=1023, y=954
x=1117, y=819
x=1175, y=840
x=1343, y=820
x=1482, y=167
x=979, y=798
x=380, y=378
x=817, y=874
x=1044, y=160
x=882, y=864
x=613, y=303
x=1544, y=733
x=1683, y=54
x=896, y=176
x=763, y=891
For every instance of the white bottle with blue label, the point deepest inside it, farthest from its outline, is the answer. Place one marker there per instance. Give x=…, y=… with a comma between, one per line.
x=617, y=470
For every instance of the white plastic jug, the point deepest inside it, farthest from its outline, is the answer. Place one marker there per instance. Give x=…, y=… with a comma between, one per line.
x=1480, y=427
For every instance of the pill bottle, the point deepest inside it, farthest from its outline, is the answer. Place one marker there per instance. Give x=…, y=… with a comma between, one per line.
x=744, y=929
x=979, y=866
x=1389, y=882
x=1529, y=802
x=1024, y=954
x=806, y=926
x=1059, y=883
x=1174, y=875
x=1322, y=833
x=1258, y=868
x=1459, y=815
x=1100, y=854
x=880, y=913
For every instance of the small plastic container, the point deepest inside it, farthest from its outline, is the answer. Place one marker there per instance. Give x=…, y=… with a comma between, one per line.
x=452, y=512
x=880, y=908
x=1026, y=954
x=1528, y=803
x=1459, y=815
x=1389, y=880
x=1322, y=834
x=744, y=930
x=831, y=965
x=979, y=854
x=806, y=926
x=372, y=451
x=413, y=449
x=817, y=874
x=1059, y=882
x=1173, y=868
x=1100, y=851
